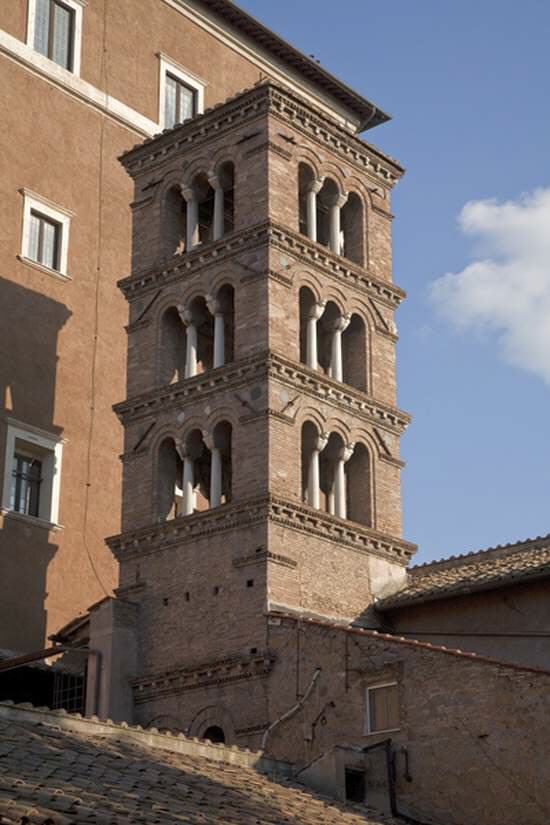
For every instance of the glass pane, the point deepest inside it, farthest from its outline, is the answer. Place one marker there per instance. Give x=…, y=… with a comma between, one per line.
x=62, y=36
x=42, y=26
x=187, y=102
x=170, y=102
x=49, y=233
x=34, y=237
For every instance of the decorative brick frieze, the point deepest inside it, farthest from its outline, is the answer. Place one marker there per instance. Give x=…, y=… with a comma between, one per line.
x=280, y=238
x=247, y=107
x=234, y=376
x=261, y=556
x=271, y=147
x=180, y=680
x=296, y=516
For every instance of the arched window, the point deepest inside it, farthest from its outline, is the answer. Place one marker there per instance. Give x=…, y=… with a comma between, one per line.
x=307, y=317
x=172, y=348
x=353, y=230
x=226, y=176
x=215, y=734
x=174, y=218
x=203, y=322
x=306, y=177
x=326, y=200
x=354, y=354
x=327, y=482
x=359, y=486
x=169, y=481
x=204, y=194
x=327, y=327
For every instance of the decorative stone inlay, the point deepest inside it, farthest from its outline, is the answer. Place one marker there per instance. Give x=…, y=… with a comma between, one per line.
x=250, y=105
x=279, y=237
x=296, y=516
x=222, y=672
x=262, y=556
x=265, y=365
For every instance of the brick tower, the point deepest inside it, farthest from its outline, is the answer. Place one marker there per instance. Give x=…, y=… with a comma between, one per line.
x=261, y=463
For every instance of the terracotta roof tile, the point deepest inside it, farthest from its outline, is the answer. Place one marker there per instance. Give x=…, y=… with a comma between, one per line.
x=480, y=570
x=89, y=771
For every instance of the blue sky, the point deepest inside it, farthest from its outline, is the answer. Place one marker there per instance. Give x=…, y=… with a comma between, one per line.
x=467, y=85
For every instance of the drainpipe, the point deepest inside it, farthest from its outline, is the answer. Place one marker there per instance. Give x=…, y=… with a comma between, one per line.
x=294, y=709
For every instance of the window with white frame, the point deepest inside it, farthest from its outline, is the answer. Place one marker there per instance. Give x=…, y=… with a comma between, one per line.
x=382, y=711
x=45, y=239
x=55, y=30
x=181, y=94
x=32, y=473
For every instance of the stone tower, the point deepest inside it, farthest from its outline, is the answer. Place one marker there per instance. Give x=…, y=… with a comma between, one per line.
x=261, y=462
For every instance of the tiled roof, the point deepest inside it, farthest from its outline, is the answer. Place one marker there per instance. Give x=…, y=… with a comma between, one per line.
x=64, y=769
x=482, y=570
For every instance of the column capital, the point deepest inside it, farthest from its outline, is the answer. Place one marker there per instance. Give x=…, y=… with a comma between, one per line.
x=214, y=180
x=321, y=443
x=316, y=185
x=342, y=322
x=339, y=200
x=182, y=450
x=346, y=452
x=208, y=439
x=186, y=315
x=188, y=193
x=214, y=305
x=317, y=310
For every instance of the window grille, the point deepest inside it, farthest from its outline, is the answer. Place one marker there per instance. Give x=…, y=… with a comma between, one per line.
x=26, y=480
x=69, y=692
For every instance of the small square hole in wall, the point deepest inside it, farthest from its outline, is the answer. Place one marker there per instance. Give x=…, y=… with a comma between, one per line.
x=187, y=596
x=253, y=650
x=250, y=583
x=165, y=602
x=215, y=590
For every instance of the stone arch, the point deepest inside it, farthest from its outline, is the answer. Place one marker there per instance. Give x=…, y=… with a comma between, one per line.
x=313, y=414
x=213, y=716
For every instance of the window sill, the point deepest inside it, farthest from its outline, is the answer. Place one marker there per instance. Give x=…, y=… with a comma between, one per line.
x=381, y=732
x=46, y=269
x=32, y=521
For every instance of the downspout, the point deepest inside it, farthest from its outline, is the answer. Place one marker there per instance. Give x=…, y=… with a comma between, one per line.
x=293, y=710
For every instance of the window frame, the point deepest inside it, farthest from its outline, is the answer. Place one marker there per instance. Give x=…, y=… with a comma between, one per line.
x=34, y=204
x=368, y=726
x=169, y=67
x=48, y=449
x=76, y=7
x=18, y=475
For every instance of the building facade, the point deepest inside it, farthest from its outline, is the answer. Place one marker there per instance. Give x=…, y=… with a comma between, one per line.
x=85, y=82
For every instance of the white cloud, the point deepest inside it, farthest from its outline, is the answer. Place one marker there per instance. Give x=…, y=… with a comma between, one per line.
x=507, y=289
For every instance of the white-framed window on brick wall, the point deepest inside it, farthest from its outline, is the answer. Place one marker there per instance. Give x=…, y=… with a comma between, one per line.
x=45, y=236
x=54, y=29
x=382, y=708
x=181, y=94
x=32, y=474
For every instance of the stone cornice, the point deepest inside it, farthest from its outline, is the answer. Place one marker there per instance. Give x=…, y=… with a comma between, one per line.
x=281, y=238
x=239, y=515
x=222, y=672
x=262, y=366
x=265, y=98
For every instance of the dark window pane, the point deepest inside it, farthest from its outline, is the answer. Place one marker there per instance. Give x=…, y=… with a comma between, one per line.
x=42, y=26
x=170, y=102
x=25, y=490
x=179, y=102
x=62, y=36
x=44, y=241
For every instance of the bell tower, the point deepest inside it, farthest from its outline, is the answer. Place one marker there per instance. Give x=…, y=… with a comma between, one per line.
x=261, y=461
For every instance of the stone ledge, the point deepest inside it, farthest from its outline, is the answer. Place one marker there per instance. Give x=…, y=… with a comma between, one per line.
x=281, y=238
x=240, y=515
x=264, y=555
x=135, y=734
x=265, y=365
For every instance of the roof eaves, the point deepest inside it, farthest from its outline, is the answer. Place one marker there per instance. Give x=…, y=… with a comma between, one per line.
x=369, y=113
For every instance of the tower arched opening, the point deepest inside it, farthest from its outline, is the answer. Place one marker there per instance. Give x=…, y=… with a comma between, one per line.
x=172, y=348
x=306, y=177
x=169, y=481
x=174, y=222
x=353, y=231
x=355, y=354
x=359, y=486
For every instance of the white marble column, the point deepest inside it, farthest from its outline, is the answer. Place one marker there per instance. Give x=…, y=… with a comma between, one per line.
x=314, y=189
x=191, y=342
x=218, y=228
x=188, y=482
x=314, y=476
x=314, y=316
x=215, y=471
x=192, y=230
x=335, y=243
x=336, y=360
x=215, y=309
x=340, y=502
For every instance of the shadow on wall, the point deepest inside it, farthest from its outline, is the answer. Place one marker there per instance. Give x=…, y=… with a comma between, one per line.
x=31, y=323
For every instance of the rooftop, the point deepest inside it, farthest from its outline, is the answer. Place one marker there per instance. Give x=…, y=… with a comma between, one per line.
x=368, y=114
x=64, y=769
x=498, y=566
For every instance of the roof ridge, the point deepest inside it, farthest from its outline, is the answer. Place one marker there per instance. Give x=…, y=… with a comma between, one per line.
x=403, y=640
x=499, y=549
